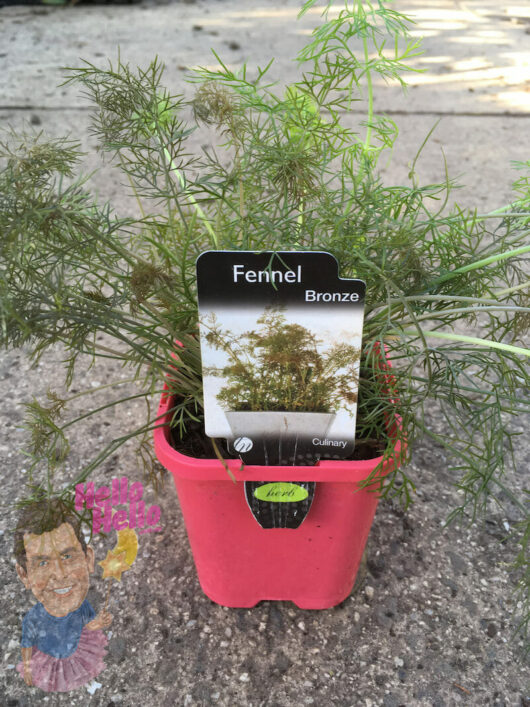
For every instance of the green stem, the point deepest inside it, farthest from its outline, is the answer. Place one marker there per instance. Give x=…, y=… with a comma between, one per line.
x=381, y=308
x=469, y=310
x=502, y=211
x=192, y=199
x=482, y=263
x=471, y=340
x=95, y=411
x=509, y=290
x=92, y=391
x=368, y=138
x=131, y=183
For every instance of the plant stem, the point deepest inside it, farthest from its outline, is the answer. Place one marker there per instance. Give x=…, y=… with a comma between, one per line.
x=469, y=310
x=368, y=138
x=488, y=343
x=509, y=290
x=134, y=190
x=482, y=263
x=222, y=460
x=192, y=199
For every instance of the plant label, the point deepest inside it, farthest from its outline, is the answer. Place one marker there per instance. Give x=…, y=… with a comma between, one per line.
x=281, y=338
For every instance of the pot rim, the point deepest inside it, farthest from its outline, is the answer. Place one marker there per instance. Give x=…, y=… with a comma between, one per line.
x=186, y=467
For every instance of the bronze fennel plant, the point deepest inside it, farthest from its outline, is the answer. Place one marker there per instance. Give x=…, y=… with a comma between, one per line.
x=447, y=291
x=279, y=367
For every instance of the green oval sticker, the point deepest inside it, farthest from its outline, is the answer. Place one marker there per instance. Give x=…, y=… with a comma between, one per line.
x=281, y=492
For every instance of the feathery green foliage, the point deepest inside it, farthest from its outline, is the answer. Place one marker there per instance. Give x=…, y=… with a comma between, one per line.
x=447, y=290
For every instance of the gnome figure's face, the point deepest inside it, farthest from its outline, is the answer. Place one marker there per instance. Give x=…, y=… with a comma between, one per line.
x=57, y=569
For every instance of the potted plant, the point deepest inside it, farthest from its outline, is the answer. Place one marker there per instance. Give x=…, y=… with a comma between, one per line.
x=446, y=293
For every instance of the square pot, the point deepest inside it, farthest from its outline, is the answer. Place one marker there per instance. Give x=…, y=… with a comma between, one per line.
x=240, y=563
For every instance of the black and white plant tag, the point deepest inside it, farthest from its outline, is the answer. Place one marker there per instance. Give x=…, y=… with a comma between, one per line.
x=281, y=341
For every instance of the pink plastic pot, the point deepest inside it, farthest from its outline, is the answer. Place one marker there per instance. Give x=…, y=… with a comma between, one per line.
x=238, y=562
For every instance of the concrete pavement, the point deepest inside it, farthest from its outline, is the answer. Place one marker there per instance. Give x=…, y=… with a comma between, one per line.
x=432, y=621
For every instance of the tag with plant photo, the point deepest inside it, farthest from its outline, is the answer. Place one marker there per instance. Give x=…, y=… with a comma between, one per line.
x=280, y=342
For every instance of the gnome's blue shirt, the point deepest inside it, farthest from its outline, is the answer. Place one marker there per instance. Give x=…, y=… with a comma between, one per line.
x=57, y=636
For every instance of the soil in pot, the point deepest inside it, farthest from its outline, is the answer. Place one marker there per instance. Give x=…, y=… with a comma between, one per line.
x=196, y=444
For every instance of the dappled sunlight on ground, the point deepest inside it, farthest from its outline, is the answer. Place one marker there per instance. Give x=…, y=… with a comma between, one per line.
x=476, y=55
x=484, y=51
x=474, y=72
x=470, y=47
